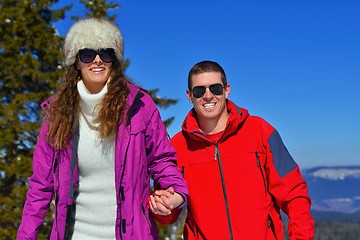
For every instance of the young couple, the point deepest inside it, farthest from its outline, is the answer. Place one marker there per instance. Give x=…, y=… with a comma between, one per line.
x=103, y=138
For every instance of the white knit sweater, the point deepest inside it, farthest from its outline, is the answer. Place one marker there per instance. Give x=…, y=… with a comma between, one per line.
x=96, y=203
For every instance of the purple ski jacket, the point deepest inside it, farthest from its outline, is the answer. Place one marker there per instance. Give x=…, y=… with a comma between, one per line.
x=142, y=150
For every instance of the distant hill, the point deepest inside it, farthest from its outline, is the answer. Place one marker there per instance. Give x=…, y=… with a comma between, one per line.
x=335, y=216
x=335, y=192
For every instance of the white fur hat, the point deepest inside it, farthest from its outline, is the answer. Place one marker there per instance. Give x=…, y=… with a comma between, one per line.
x=94, y=34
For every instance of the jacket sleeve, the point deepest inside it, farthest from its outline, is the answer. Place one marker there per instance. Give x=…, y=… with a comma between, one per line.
x=162, y=156
x=289, y=188
x=40, y=190
x=171, y=218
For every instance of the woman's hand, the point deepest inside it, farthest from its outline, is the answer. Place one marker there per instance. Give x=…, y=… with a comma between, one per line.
x=163, y=201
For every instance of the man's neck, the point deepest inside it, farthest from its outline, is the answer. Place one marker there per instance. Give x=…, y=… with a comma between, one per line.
x=211, y=126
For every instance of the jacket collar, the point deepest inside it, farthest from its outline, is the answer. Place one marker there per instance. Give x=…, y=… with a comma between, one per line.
x=237, y=116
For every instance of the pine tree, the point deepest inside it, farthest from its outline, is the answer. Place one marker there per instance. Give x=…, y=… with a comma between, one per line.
x=30, y=63
x=100, y=9
x=163, y=103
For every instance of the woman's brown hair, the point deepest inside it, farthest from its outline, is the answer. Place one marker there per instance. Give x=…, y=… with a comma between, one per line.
x=63, y=114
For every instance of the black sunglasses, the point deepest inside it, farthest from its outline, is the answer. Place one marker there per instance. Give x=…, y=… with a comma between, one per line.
x=216, y=89
x=87, y=55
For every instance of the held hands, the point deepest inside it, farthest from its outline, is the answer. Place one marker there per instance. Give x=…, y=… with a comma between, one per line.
x=163, y=201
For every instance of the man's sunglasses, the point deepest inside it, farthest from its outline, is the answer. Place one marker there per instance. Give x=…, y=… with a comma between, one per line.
x=88, y=55
x=216, y=89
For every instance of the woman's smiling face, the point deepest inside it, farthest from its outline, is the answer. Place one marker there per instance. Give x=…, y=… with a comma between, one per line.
x=95, y=74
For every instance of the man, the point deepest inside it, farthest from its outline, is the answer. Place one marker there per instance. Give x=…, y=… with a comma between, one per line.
x=238, y=171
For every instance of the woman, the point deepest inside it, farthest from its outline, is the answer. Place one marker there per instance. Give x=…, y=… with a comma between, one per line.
x=100, y=143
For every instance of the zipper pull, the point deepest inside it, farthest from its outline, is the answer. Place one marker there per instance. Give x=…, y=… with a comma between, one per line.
x=216, y=153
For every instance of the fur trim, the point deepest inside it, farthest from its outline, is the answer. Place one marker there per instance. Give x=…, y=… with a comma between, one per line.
x=94, y=34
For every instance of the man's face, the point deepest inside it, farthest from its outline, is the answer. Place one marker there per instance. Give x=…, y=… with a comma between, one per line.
x=210, y=107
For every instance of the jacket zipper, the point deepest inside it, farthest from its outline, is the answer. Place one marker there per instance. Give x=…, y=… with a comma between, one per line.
x=217, y=156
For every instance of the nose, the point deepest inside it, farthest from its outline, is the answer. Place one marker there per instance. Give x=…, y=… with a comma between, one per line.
x=97, y=59
x=208, y=93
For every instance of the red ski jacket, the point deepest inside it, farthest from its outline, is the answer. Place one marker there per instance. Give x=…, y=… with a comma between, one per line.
x=238, y=184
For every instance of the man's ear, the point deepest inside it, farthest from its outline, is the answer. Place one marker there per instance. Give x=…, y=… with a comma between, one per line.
x=188, y=94
x=227, y=90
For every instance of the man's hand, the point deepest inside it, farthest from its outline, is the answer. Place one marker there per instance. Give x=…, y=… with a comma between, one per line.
x=163, y=201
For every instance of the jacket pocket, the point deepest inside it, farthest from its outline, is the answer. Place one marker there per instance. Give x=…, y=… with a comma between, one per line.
x=262, y=170
x=56, y=191
x=145, y=216
x=271, y=233
x=190, y=228
x=183, y=171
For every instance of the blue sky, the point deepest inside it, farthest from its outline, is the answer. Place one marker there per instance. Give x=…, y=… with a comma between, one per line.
x=294, y=63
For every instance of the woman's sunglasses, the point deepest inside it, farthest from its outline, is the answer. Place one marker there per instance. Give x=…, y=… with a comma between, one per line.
x=88, y=55
x=216, y=89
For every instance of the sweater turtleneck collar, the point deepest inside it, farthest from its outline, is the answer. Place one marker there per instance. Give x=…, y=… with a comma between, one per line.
x=89, y=103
